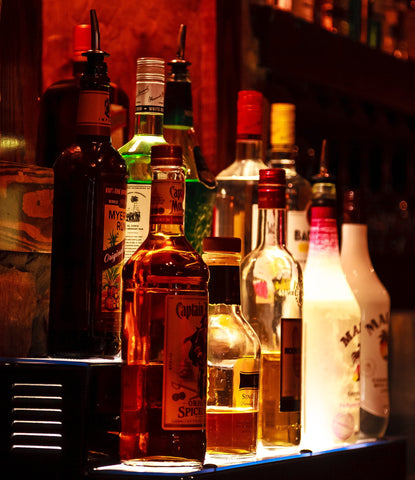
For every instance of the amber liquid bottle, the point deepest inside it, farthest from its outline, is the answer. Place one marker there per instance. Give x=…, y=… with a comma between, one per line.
x=165, y=308
x=88, y=226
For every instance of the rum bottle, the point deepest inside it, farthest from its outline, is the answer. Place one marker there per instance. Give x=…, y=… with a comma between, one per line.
x=233, y=356
x=271, y=296
x=178, y=129
x=331, y=347
x=284, y=153
x=88, y=225
x=165, y=310
x=236, y=203
x=149, y=110
x=374, y=302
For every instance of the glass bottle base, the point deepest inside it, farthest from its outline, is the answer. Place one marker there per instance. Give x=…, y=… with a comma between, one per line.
x=162, y=464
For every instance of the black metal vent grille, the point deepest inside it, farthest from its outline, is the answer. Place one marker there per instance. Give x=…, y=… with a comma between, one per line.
x=37, y=417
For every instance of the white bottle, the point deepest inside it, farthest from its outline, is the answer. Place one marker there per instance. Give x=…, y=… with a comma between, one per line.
x=374, y=302
x=331, y=334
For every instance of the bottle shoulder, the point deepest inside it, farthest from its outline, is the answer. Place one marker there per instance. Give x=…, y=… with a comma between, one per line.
x=140, y=145
x=242, y=170
x=165, y=256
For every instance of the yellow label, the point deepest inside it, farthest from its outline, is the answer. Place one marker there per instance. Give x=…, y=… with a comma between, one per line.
x=246, y=382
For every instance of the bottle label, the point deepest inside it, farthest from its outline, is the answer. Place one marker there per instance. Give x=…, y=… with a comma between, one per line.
x=149, y=97
x=167, y=202
x=138, y=216
x=290, y=364
x=374, y=361
x=323, y=235
x=298, y=235
x=185, y=352
x=112, y=259
x=93, y=113
x=246, y=383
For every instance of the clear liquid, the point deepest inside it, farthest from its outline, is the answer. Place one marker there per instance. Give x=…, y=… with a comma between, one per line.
x=234, y=214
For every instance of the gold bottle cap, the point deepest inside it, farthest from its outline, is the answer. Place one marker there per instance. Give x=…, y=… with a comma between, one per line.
x=282, y=124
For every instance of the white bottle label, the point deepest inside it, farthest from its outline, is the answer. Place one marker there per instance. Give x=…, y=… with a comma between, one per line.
x=298, y=235
x=138, y=216
x=184, y=374
x=149, y=97
x=374, y=361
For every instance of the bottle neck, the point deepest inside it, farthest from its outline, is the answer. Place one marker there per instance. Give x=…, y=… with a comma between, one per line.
x=284, y=156
x=354, y=244
x=324, y=241
x=271, y=227
x=224, y=284
x=93, y=117
x=149, y=108
x=167, y=201
x=249, y=149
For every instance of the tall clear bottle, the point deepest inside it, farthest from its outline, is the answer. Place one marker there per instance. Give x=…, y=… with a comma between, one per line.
x=236, y=203
x=284, y=153
x=271, y=297
x=233, y=356
x=88, y=225
x=178, y=129
x=149, y=110
x=165, y=310
x=374, y=302
x=331, y=347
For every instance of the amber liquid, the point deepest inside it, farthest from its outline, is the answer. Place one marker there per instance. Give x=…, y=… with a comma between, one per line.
x=164, y=265
x=77, y=327
x=231, y=430
x=275, y=428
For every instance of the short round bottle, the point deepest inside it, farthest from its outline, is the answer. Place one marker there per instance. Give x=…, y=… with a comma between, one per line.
x=233, y=356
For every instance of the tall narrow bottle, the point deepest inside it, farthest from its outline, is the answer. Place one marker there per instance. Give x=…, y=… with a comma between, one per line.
x=284, y=153
x=178, y=129
x=374, y=302
x=165, y=309
x=236, y=203
x=149, y=110
x=331, y=347
x=233, y=356
x=271, y=296
x=88, y=226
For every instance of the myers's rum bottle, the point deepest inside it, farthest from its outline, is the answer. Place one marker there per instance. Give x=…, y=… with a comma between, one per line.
x=88, y=226
x=165, y=308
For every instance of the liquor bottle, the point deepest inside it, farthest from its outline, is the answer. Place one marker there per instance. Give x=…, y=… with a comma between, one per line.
x=59, y=106
x=178, y=129
x=271, y=297
x=88, y=225
x=149, y=110
x=374, y=302
x=165, y=309
x=233, y=356
x=236, y=203
x=331, y=314
x=283, y=155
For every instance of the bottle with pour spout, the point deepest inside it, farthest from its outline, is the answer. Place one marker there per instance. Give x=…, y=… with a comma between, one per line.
x=178, y=129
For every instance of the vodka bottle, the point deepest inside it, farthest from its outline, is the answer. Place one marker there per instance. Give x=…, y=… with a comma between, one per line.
x=236, y=203
x=165, y=310
x=271, y=297
x=233, y=356
x=374, y=302
x=149, y=109
x=331, y=347
x=283, y=155
x=88, y=226
x=178, y=129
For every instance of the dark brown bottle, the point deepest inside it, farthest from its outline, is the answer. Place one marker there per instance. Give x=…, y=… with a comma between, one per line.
x=165, y=308
x=88, y=226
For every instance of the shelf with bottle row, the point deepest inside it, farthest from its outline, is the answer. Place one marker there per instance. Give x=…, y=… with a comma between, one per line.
x=381, y=459
x=292, y=48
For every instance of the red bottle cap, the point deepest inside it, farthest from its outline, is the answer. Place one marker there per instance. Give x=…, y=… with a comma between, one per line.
x=81, y=41
x=166, y=154
x=272, y=188
x=250, y=112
